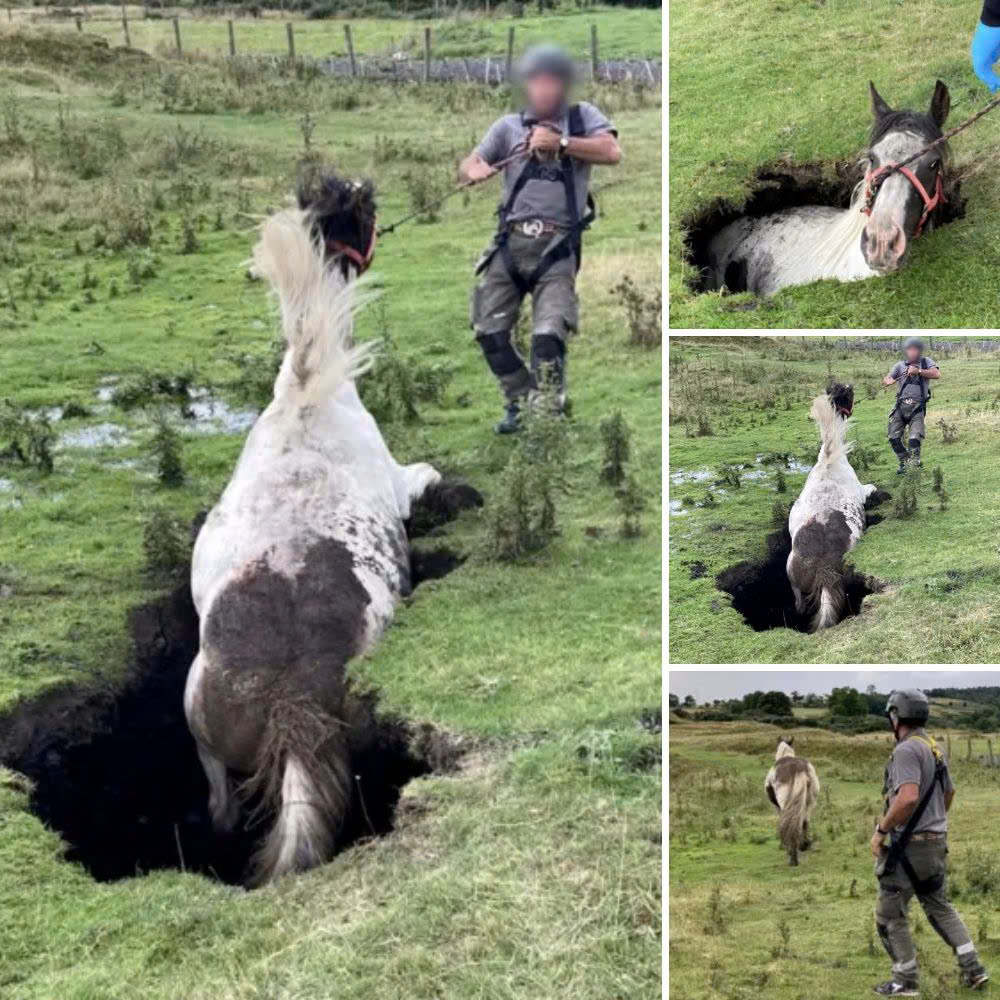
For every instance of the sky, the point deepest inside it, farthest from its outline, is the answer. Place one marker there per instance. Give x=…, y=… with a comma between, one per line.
x=707, y=685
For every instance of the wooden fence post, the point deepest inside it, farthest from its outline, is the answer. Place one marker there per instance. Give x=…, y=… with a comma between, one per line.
x=291, y=39
x=593, y=52
x=128, y=41
x=350, y=49
x=969, y=754
x=510, y=52
x=989, y=747
x=177, y=35
x=948, y=738
x=427, y=54
x=232, y=38
x=79, y=24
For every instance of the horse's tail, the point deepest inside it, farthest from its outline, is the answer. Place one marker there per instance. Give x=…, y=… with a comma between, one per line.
x=828, y=597
x=794, y=813
x=303, y=776
x=832, y=430
x=317, y=306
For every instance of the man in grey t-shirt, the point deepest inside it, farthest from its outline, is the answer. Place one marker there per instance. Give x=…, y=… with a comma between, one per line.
x=911, y=400
x=544, y=210
x=916, y=863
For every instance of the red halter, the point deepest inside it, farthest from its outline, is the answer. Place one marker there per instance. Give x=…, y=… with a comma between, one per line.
x=874, y=179
x=844, y=410
x=361, y=261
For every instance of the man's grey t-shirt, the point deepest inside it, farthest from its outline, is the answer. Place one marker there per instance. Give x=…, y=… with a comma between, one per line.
x=914, y=389
x=540, y=199
x=912, y=762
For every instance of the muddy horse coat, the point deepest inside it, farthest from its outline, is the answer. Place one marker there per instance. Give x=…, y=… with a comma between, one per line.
x=792, y=787
x=298, y=567
x=828, y=517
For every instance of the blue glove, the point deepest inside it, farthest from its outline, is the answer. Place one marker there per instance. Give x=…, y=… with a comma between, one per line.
x=985, y=53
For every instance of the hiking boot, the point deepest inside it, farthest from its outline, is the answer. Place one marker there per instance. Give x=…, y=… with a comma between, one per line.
x=511, y=422
x=974, y=980
x=894, y=988
x=901, y=471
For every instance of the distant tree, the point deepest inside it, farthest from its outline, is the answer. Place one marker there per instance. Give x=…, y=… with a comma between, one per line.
x=689, y=701
x=776, y=703
x=847, y=701
x=870, y=689
x=796, y=697
x=673, y=701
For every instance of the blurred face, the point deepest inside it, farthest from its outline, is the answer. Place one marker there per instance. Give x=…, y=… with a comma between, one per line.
x=545, y=93
x=913, y=354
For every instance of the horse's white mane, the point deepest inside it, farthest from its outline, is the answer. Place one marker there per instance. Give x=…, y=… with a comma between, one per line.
x=835, y=243
x=784, y=750
x=832, y=430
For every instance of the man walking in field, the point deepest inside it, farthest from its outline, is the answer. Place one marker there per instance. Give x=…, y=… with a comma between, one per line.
x=911, y=400
x=918, y=794
x=545, y=209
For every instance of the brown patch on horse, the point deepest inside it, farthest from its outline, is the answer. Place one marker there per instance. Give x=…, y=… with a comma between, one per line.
x=786, y=768
x=270, y=639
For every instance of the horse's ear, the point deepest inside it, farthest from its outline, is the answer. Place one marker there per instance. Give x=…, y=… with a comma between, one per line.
x=940, y=103
x=790, y=740
x=879, y=108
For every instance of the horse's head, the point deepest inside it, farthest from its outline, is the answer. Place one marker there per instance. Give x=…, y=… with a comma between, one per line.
x=842, y=400
x=905, y=199
x=785, y=748
x=343, y=216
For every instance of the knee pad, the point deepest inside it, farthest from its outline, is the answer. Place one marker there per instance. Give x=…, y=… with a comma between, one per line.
x=914, y=444
x=897, y=446
x=499, y=352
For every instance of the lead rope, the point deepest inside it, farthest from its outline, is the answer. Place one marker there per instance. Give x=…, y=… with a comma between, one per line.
x=520, y=154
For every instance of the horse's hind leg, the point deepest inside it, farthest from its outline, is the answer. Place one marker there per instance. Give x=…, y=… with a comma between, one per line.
x=800, y=602
x=223, y=805
x=805, y=843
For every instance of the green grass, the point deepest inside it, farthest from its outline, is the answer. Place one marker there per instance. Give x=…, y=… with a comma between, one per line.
x=723, y=841
x=621, y=34
x=535, y=871
x=753, y=83
x=940, y=567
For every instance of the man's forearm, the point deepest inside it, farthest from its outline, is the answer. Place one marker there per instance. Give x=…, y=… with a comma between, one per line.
x=468, y=166
x=599, y=149
x=898, y=813
x=930, y=373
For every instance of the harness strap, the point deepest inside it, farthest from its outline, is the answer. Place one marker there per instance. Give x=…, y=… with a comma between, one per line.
x=897, y=851
x=564, y=244
x=874, y=179
x=361, y=260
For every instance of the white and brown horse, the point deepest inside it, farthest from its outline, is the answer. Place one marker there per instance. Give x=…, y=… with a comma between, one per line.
x=871, y=237
x=300, y=564
x=792, y=787
x=828, y=517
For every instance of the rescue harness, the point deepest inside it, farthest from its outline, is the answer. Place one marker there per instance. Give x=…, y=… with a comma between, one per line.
x=566, y=242
x=925, y=389
x=898, y=845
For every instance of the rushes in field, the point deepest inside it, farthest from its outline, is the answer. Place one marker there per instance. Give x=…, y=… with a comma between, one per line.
x=523, y=518
x=631, y=504
x=907, y=496
x=644, y=313
x=25, y=439
x=616, y=438
x=166, y=546
x=166, y=448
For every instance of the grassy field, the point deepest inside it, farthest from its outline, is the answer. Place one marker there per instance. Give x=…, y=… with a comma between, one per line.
x=744, y=924
x=534, y=872
x=940, y=568
x=755, y=83
x=622, y=33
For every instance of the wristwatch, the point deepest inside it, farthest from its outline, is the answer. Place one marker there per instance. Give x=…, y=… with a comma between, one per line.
x=878, y=829
x=564, y=143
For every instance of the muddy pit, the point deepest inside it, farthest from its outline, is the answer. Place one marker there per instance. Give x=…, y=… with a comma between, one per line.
x=117, y=775
x=761, y=592
x=780, y=185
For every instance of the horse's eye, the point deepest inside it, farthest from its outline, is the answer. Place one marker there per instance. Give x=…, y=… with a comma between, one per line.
x=935, y=164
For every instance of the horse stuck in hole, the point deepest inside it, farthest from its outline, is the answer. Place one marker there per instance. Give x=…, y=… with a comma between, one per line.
x=829, y=516
x=872, y=237
x=792, y=787
x=298, y=567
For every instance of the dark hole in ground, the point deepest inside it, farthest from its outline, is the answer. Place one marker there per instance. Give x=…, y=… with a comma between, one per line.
x=761, y=592
x=117, y=775
x=778, y=185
